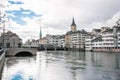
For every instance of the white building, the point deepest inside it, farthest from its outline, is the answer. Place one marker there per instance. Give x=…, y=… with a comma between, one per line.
x=31, y=43
x=55, y=40
x=108, y=40
x=97, y=43
x=88, y=42
x=52, y=40
x=77, y=39
x=61, y=41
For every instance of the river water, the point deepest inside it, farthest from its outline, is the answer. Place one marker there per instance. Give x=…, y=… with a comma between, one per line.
x=63, y=65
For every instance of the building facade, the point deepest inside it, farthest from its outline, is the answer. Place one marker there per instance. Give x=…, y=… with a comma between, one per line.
x=61, y=41
x=31, y=43
x=55, y=40
x=10, y=40
x=75, y=38
x=88, y=42
x=108, y=40
x=52, y=40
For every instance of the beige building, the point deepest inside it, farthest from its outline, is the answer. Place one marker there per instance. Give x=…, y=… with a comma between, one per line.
x=43, y=41
x=67, y=40
x=10, y=40
x=31, y=43
x=75, y=38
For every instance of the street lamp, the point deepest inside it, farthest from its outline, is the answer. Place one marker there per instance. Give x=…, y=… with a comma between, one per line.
x=2, y=21
x=4, y=35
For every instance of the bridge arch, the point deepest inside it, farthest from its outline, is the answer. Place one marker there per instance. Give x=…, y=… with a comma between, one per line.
x=21, y=52
x=24, y=53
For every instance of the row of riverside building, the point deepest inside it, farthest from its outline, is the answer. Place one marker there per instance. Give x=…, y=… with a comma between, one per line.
x=104, y=39
x=74, y=39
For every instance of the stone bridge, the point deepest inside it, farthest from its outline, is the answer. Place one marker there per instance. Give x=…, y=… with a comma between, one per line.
x=21, y=52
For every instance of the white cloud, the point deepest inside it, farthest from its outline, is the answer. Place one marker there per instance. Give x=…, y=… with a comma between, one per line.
x=114, y=19
x=108, y=23
x=57, y=15
x=3, y=4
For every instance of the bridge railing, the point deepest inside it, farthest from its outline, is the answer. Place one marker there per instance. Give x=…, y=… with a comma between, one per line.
x=1, y=51
x=2, y=59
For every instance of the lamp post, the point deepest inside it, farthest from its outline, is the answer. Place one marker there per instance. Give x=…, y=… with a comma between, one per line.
x=4, y=35
x=2, y=21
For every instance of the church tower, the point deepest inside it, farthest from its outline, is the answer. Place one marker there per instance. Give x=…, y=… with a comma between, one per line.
x=73, y=26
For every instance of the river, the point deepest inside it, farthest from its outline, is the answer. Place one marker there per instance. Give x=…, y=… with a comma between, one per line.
x=63, y=65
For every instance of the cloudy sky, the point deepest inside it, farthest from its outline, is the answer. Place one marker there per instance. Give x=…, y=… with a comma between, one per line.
x=55, y=16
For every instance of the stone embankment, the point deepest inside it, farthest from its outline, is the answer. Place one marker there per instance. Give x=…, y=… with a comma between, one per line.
x=2, y=59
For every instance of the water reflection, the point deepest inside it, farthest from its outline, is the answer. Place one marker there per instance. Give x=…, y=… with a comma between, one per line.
x=106, y=60
x=107, y=65
x=63, y=65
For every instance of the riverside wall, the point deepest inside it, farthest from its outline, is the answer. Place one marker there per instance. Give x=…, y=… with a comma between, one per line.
x=117, y=50
x=2, y=59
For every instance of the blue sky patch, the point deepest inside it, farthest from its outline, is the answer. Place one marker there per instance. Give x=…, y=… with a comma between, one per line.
x=15, y=2
x=19, y=14
x=17, y=19
x=22, y=13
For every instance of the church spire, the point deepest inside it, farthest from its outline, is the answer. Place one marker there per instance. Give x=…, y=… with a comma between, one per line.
x=40, y=34
x=73, y=22
x=73, y=26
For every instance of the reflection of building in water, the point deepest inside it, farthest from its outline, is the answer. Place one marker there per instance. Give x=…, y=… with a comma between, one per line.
x=105, y=60
x=38, y=64
x=117, y=61
x=75, y=61
x=75, y=55
x=73, y=75
x=11, y=61
x=96, y=60
x=41, y=65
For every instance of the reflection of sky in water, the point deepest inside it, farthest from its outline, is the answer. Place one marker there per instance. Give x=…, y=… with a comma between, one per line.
x=24, y=69
x=20, y=76
x=63, y=66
